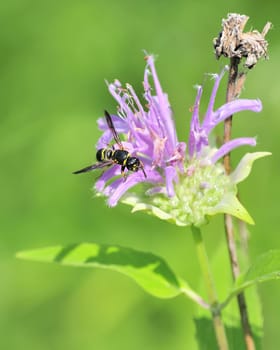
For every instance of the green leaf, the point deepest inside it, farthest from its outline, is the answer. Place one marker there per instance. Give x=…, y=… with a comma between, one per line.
x=148, y=270
x=265, y=268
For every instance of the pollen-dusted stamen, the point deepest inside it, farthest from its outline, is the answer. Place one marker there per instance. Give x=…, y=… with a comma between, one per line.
x=232, y=42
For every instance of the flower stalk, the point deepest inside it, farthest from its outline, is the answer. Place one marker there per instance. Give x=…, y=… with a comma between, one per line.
x=211, y=290
x=234, y=82
x=234, y=43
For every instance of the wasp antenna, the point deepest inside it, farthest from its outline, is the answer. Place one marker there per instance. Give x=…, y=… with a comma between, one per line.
x=144, y=173
x=142, y=168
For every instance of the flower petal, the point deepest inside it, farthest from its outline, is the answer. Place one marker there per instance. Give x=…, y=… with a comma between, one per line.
x=230, y=145
x=164, y=109
x=229, y=109
x=210, y=108
x=117, y=189
x=106, y=176
x=170, y=176
x=194, y=135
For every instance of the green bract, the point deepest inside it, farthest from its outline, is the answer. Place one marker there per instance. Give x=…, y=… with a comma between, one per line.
x=201, y=191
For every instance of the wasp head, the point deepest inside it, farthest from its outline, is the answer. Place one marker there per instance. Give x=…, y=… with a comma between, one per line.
x=134, y=164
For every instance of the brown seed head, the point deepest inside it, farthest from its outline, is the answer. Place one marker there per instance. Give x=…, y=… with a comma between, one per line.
x=232, y=42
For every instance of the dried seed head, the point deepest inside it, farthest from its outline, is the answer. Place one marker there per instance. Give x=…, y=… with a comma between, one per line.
x=232, y=42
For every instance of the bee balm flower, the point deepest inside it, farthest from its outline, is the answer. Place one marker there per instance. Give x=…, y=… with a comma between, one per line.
x=183, y=185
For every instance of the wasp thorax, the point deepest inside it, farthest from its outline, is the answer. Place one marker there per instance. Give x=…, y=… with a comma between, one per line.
x=120, y=156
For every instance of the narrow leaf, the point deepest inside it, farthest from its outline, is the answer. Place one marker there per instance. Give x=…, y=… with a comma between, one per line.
x=148, y=270
x=265, y=268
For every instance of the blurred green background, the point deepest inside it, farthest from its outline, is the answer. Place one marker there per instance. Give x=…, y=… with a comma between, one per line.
x=54, y=57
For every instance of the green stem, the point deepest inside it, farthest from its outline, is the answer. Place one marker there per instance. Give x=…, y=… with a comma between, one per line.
x=211, y=290
x=195, y=297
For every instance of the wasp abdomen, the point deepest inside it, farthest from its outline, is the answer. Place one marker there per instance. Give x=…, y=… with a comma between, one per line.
x=104, y=154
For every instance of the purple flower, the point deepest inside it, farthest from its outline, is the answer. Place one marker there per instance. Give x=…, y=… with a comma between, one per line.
x=199, y=131
x=150, y=135
x=183, y=186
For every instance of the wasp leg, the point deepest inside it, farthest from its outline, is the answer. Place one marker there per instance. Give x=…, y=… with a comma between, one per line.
x=124, y=174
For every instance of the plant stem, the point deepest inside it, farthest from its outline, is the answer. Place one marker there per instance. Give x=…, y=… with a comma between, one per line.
x=234, y=87
x=211, y=290
x=195, y=297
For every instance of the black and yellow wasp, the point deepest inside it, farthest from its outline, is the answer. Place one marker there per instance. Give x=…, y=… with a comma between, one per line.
x=109, y=156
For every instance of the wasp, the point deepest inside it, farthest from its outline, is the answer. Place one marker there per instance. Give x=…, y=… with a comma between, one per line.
x=109, y=156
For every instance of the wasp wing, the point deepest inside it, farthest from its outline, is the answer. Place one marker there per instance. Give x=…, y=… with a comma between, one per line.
x=112, y=128
x=93, y=167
